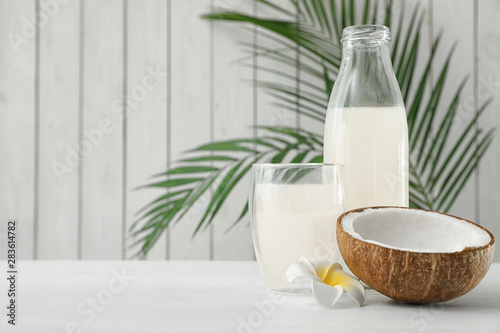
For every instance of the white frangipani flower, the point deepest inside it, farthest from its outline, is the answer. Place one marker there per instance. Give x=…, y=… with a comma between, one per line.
x=328, y=282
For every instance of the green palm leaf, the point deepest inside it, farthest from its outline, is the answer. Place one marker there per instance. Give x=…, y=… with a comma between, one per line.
x=439, y=166
x=222, y=174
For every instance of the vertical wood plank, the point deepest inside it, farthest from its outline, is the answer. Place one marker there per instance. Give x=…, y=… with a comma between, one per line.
x=455, y=17
x=267, y=112
x=488, y=85
x=147, y=123
x=103, y=105
x=233, y=118
x=304, y=122
x=425, y=40
x=17, y=124
x=190, y=107
x=59, y=84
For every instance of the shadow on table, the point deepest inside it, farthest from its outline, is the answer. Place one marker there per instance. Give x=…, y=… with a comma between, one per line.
x=478, y=302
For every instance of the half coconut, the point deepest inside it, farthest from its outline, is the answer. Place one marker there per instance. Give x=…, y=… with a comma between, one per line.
x=414, y=255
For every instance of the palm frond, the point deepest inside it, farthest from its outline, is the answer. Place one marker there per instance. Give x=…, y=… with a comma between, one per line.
x=302, y=34
x=439, y=165
x=208, y=171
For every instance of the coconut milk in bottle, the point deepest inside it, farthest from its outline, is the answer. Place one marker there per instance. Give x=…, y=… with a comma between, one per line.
x=366, y=128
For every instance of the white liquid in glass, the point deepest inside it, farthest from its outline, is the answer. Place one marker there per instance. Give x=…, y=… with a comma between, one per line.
x=291, y=221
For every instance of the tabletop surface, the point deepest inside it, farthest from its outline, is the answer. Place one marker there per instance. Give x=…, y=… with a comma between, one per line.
x=169, y=296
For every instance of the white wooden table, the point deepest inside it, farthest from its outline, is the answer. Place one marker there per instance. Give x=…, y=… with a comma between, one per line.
x=162, y=296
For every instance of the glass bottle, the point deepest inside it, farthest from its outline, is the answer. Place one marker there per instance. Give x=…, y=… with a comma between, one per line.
x=366, y=129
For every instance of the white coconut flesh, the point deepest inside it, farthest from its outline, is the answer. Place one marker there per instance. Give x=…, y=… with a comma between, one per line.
x=414, y=230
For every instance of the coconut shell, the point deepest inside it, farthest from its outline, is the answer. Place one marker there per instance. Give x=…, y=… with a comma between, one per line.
x=415, y=277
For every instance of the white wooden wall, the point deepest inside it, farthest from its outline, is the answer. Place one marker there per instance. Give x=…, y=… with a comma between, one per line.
x=61, y=82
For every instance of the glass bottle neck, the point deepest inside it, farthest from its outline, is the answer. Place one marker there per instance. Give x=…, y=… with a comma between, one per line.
x=366, y=76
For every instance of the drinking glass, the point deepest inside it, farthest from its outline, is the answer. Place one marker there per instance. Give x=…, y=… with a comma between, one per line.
x=294, y=209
